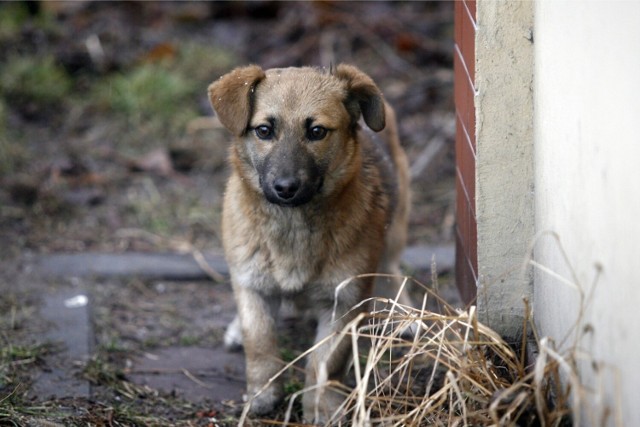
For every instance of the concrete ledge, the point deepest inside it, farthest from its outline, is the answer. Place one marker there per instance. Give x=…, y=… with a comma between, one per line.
x=172, y=266
x=167, y=266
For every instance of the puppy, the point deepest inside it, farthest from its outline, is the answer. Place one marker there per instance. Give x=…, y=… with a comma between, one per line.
x=315, y=197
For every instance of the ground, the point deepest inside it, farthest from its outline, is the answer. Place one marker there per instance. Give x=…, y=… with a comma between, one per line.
x=107, y=147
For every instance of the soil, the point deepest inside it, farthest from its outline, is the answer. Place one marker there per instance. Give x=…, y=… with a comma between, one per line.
x=83, y=172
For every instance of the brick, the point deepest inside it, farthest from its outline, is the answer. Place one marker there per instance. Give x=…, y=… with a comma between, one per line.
x=464, y=98
x=466, y=163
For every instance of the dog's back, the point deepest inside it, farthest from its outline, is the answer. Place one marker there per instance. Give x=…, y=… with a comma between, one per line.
x=387, y=154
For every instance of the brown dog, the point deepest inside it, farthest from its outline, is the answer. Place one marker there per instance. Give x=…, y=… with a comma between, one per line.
x=313, y=199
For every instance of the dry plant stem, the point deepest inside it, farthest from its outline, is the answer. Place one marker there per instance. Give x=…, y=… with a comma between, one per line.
x=360, y=380
x=331, y=339
x=194, y=379
x=565, y=360
x=574, y=283
x=547, y=350
x=458, y=392
x=471, y=376
x=523, y=343
x=204, y=265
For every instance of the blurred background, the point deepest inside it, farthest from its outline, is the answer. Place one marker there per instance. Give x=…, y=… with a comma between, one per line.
x=108, y=145
x=104, y=138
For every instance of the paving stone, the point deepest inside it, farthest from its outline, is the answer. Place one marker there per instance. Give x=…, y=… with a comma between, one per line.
x=67, y=312
x=169, y=266
x=192, y=373
x=166, y=266
x=195, y=374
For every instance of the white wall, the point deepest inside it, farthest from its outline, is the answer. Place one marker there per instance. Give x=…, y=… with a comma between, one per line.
x=587, y=189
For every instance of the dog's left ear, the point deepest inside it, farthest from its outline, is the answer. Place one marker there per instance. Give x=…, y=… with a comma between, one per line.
x=231, y=97
x=363, y=97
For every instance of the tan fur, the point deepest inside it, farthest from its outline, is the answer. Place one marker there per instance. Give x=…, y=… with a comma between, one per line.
x=348, y=218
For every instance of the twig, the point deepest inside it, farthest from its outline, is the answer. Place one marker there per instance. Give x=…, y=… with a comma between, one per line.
x=204, y=265
x=380, y=46
x=426, y=156
x=194, y=379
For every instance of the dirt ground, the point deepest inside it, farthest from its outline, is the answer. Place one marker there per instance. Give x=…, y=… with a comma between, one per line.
x=107, y=146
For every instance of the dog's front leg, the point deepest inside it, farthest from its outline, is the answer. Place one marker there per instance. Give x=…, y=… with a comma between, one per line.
x=257, y=313
x=330, y=359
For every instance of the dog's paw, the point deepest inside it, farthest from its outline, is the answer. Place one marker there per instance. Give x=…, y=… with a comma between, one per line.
x=233, y=336
x=324, y=408
x=265, y=402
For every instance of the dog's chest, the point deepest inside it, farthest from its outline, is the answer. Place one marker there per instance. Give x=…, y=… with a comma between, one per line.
x=288, y=254
x=294, y=253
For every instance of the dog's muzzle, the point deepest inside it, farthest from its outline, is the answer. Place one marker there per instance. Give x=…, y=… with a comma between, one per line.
x=290, y=190
x=286, y=188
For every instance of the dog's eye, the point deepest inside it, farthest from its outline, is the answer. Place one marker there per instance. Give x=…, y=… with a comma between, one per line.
x=264, y=132
x=316, y=133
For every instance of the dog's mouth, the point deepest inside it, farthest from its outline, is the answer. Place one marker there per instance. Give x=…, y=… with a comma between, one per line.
x=290, y=191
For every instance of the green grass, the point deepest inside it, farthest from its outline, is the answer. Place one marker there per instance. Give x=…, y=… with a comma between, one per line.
x=190, y=340
x=13, y=353
x=33, y=86
x=16, y=361
x=202, y=63
x=37, y=79
x=14, y=15
x=148, y=104
x=156, y=99
x=134, y=405
x=114, y=345
x=12, y=153
x=150, y=96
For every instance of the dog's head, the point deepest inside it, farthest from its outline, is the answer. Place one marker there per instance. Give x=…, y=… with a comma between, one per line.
x=296, y=127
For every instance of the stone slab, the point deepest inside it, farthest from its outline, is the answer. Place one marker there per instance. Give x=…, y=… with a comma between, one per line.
x=192, y=373
x=171, y=266
x=419, y=257
x=67, y=313
x=163, y=266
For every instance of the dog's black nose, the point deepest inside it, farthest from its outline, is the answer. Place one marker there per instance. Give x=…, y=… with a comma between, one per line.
x=286, y=187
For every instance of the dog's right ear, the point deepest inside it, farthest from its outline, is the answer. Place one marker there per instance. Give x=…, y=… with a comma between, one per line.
x=231, y=97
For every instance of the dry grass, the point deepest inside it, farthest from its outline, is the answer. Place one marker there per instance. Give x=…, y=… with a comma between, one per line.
x=450, y=371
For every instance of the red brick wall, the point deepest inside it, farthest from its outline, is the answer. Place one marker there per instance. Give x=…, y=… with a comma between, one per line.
x=466, y=227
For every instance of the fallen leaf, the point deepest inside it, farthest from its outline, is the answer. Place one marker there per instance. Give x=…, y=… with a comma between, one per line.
x=160, y=52
x=157, y=161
